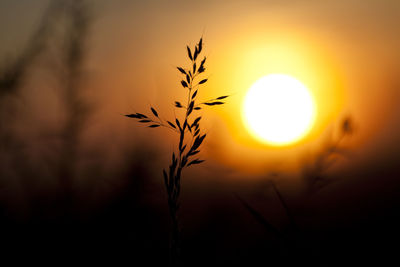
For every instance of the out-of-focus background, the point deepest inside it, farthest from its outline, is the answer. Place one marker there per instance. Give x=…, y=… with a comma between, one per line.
x=79, y=179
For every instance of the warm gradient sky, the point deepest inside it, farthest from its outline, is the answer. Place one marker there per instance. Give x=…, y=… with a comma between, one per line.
x=346, y=52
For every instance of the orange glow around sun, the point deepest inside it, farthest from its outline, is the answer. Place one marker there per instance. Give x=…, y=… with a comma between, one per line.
x=321, y=96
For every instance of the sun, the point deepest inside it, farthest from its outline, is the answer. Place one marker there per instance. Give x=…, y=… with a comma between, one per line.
x=278, y=110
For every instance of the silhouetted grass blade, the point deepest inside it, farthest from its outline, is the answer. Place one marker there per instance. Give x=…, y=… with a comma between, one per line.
x=189, y=127
x=133, y=116
x=189, y=53
x=196, y=52
x=196, y=121
x=184, y=125
x=191, y=153
x=284, y=204
x=190, y=109
x=141, y=115
x=202, y=62
x=203, y=81
x=200, y=45
x=181, y=70
x=213, y=103
x=268, y=226
x=196, y=161
x=165, y=178
x=184, y=159
x=182, y=136
x=198, y=141
x=183, y=149
x=194, y=94
x=171, y=124
x=184, y=84
x=154, y=112
x=178, y=124
x=174, y=159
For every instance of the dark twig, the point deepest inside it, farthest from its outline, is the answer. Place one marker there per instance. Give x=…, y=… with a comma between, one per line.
x=260, y=218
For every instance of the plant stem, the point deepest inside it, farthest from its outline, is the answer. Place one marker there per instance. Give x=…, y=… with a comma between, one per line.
x=175, y=246
x=285, y=206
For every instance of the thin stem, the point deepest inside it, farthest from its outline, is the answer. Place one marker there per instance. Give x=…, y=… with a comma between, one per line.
x=169, y=127
x=202, y=103
x=189, y=96
x=175, y=249
x=284, y=205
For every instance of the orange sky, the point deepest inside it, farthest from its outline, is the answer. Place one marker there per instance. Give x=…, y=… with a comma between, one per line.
x=73, y=168
x=347, y=52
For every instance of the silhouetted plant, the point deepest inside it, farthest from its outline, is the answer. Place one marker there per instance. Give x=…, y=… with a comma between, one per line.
x=15, y=74
x=77, y=109
x=314, y=177
x=190, y=136
x=314, y=173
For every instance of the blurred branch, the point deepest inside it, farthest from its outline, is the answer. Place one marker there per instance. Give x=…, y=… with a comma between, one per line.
x=284, y=205
x=76, y=108
x=72, y=17
x=314, y=173
x=12, y=75
x=260, y=218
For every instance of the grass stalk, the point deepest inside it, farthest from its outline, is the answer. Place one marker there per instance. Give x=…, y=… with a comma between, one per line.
x=188, y=129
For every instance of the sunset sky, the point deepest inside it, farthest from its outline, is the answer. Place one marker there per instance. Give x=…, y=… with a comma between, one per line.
x=347, y=53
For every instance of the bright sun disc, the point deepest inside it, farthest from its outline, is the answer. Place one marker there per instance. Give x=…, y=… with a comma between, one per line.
x=278, y=110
